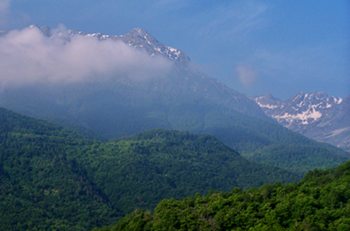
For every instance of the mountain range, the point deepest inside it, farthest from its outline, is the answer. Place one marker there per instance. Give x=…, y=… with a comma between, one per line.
x=182, y=99
x=92, y=151
x=316, y=115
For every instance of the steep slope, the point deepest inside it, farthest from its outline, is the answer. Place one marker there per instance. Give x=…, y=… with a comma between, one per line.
x=315, y=115
x=320, y=202
x=40, y=188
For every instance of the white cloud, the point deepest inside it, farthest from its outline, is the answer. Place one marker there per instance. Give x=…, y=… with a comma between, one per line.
x=246, y=75
x=28, y=57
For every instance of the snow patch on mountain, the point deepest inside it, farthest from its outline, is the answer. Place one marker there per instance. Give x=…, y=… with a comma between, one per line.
x=302, y=109
x=338, y=100
x=304, y=117
x=268, y=106
x=316, y=115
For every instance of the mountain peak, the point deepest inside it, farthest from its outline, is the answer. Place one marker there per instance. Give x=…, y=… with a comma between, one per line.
x=142, y=34
x=140, y=38
x=139, y=31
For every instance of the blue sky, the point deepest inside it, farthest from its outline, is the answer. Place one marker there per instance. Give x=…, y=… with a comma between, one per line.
x=256, y=47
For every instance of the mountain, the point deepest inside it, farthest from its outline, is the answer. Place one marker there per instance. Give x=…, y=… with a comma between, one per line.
x=181, y=99
x=52, y=178
x=151, y=103
x=139, y=171
x=316, y=115
x=321, y=201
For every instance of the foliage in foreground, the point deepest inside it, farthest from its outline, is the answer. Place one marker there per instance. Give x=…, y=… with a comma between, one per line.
x=319, y=202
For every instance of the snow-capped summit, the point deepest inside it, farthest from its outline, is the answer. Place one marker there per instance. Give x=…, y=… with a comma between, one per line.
x=320, y=98
x=139, y=38
x=300, y=110
x=316, y=115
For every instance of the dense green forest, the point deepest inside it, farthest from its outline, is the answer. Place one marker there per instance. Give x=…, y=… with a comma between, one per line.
x=40, y=188
x=140, y=171
x=53, y=178
x=321, y=201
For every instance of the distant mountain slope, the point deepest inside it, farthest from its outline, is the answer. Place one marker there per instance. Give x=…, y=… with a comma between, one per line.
x=138, y=172
x=320, y=202
x=316, y=115
x=51, y=178
x=182, y=99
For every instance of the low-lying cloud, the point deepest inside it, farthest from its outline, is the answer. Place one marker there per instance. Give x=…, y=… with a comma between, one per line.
x=29, y=57
x=246, y=75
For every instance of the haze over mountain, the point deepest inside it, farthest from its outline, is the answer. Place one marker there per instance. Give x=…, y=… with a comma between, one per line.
x=316, y=115
x=133, y=88
x=113, y=92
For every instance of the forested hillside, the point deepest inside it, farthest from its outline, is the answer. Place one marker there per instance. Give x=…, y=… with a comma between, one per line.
x=52, y=178
x=40, y=188
x=321, y=201
x=140, y=171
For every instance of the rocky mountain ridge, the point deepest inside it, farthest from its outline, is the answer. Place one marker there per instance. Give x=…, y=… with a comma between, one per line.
x=316, y=115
